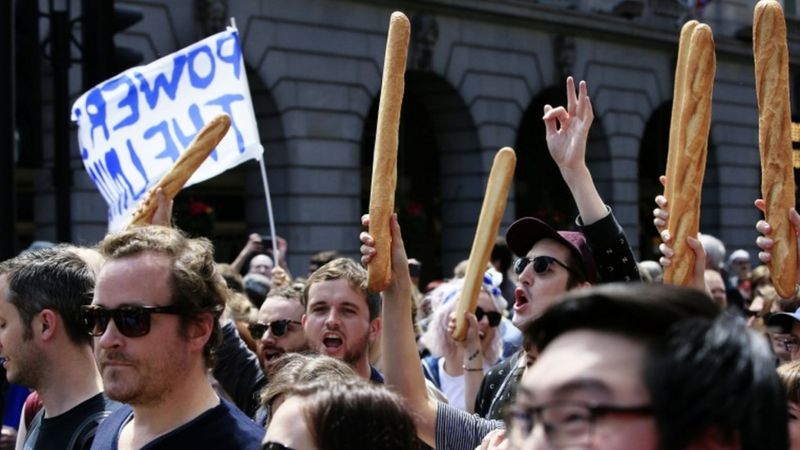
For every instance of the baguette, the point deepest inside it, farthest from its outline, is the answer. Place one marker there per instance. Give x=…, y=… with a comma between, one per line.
x=494, y=205
x=686, y=160
x=384, y=165
x=172, y=182
x=775, y=140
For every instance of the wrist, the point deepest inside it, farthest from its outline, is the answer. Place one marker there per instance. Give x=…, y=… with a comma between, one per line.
x=472, y=369
x=575, y=174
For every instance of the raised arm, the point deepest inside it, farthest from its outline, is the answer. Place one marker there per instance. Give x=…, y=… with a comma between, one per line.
x=567, y=131
x=402, y=369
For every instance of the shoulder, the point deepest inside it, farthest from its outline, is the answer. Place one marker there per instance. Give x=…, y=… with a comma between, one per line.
x=223, y=427
x=107, y=432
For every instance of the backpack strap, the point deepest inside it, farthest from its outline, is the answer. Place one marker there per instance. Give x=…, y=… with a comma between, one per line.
x=84, y=434
x=33, y=430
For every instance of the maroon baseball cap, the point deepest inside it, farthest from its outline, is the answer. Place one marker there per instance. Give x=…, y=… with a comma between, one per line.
x=526, y=232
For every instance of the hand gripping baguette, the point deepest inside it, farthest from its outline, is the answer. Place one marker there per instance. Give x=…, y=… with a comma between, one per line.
x=384, y=165
x=688, y=143
x=172, y=182
x=775, y=140
x=494, y=205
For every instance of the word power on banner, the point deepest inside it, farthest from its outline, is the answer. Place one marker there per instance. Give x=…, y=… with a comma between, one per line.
x=133, y=127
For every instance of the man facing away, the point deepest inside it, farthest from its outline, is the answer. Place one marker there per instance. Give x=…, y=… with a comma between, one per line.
x=45, y=348
x=154, y=316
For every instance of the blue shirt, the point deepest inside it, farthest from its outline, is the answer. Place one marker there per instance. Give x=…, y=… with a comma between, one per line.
x=221, y=427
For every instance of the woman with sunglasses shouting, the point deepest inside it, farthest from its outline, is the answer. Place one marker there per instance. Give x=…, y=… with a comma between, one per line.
x=457, y=368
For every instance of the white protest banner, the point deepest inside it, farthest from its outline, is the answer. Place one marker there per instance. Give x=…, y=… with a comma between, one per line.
x=134, y=126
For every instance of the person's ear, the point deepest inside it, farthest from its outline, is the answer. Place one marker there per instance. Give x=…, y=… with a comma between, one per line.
x=200, y=331
x=375, y=329
x=46, y=324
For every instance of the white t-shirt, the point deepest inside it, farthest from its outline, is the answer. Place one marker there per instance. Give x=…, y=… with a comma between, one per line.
x=453, y=387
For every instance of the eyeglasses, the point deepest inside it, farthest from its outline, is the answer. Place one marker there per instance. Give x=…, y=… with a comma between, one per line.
x=493, y=316
x=279, y=328
x=568, y=424
x=540, y=264
x=131, y=321
x=274, y=446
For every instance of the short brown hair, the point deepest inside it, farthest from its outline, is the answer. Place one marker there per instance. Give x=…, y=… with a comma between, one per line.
x=356, y=276
x=333, y=409
x=293, y=368
x=193, y=277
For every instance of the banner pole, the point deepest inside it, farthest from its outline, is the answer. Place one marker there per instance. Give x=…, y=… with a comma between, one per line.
x=269, y=209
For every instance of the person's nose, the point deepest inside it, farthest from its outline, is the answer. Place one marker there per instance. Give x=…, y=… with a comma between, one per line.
x=111, y=337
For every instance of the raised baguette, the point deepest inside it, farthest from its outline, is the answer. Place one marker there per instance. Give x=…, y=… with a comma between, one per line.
x=190, y=160
x=384, y=165
x=494, y=205
x=686, y=162
x=775, y=140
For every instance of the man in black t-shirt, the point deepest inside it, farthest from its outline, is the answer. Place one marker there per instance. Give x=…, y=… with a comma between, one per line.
x=45, y=348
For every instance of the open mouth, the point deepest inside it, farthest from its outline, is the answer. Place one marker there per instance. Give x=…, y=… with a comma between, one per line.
x=332, y=342
x=270, y=355
x=520, y=300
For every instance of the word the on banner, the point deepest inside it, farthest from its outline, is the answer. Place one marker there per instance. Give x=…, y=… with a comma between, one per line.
x=134, y=126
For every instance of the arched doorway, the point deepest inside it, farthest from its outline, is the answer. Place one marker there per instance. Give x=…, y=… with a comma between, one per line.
x=437, y=152
x=652, y=164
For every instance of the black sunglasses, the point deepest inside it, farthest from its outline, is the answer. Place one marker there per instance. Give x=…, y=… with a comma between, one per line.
x=493, y=316
x=274, y=446
x=279, y=328
x=131, y=321
x=540, y=264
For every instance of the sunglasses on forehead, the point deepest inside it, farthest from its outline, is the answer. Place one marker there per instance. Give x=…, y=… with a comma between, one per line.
x=540, y=264
x=131, y=321
x=279, y=328
x=494, y=317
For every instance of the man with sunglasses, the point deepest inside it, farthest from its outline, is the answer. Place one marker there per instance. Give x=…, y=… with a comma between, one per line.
x=279, y=330
x=155, y=318
x=553, y=262
x=44, y=347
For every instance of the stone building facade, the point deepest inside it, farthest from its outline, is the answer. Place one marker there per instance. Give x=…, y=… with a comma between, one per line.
x=479, y=73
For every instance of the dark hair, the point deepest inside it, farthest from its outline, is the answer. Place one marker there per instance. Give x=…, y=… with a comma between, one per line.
x=577, y=275
x=716, y=375
x=233, y=279
x=636, y=310
x=51, y=278
x=333, y=410
x=288, y=292
x=356, y=276
x=319, y=259
x=194, y=281
x=502, y=254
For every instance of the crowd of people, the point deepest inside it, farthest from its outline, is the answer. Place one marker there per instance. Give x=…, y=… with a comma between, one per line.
x=145, y=341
